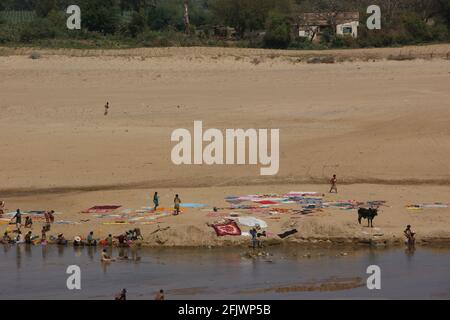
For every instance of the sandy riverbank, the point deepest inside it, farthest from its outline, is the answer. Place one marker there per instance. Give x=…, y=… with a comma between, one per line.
x=329, y=226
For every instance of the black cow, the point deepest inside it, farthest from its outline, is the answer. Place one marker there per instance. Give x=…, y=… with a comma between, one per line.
x=368, y=214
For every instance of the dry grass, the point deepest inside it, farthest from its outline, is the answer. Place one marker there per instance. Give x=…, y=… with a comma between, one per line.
x=255, y=56
x=401, y=57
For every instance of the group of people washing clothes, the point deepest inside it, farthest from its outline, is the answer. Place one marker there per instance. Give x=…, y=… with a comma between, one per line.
x=26, y=237
x=123, y=240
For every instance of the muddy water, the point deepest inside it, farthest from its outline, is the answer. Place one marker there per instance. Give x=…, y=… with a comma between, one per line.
x=229, y=273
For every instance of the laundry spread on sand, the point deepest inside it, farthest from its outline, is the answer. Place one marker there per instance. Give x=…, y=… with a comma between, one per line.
x=192, y=205
x=308, y=202
x=66, y=222
x=104, y=209
x=228, y=228
x=422, y=206
x=110, y=215
x=251, y=222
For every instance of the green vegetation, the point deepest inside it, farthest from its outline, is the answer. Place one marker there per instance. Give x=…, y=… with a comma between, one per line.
x=243, y=23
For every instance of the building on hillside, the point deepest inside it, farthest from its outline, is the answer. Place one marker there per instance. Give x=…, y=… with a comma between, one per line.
x=313, y=25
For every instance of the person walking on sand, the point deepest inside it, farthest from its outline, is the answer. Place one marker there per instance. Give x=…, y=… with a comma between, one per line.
x=410, y=236
x=333, y=182
x=18, y=217
x=177, y=203
x=106, y=108
x=155, y=201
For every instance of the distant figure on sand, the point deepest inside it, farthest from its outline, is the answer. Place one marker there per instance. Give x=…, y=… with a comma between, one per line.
x=106, y=108
x=176, y=203
x=160, y=295
x=333, y=182
x=410, y=236
x=155, y=200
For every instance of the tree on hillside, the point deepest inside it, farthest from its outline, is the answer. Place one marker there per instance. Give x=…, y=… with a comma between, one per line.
x=187, y=25
x=101, y=16
x=166, y=14
x=247, y=15
x=44, y=7
x=445, y=5
x=278, y=31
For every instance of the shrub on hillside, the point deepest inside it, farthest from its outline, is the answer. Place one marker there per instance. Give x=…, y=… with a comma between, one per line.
x=278, y=32
x=41, y=28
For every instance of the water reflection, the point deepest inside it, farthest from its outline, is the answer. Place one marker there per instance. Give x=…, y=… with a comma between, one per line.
x=221, y=272
x=44, y=252
x=410, y=250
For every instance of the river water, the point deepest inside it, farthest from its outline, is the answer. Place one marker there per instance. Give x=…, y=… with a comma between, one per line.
x=39, y=272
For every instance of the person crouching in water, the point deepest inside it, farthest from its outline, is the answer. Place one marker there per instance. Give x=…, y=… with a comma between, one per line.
x=106, y=257
x=61, y=240
x=410, y=236
x=160, y=295
x=6, y=238
x=90, y=239
x=28, y=238
x=122, y=295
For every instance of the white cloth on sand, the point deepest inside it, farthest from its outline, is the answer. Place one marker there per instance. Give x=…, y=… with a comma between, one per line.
x=252, y=222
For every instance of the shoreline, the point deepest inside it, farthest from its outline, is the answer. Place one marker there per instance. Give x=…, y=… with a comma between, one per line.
x=310, y=243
